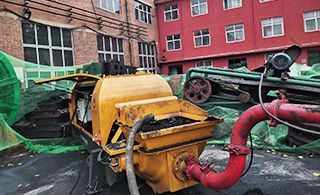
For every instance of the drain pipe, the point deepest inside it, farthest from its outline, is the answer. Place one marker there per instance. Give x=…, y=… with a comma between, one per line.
x=237, y=147
x=129, y=34
x=131, y=177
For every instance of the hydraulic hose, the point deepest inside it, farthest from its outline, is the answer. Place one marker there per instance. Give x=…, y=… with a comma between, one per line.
x=240, y=132
x=131, y=177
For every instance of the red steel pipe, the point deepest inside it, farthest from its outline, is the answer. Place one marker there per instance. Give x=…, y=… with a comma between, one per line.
x=237, y=148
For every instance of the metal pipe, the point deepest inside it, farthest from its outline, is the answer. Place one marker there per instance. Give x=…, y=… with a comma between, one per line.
x=252, y=75
x=237, y=147
x=131, y=177
x=129, y=36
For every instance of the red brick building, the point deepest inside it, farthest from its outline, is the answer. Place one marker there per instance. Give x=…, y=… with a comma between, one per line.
x=182, y=33
x=229, y=33
x=61, y=33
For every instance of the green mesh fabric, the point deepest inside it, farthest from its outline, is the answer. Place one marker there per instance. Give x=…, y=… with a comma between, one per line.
x=9, y=90
x=176, y=83
x=19, y=96
x=263, y=135
x=10, y=138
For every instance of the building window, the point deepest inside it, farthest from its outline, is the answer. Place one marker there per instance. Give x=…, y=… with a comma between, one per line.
x=313, y=57
x=237, y=63
x=272, y=27
x=262, y=1
x=199, y=7
x=110, y=5
x=47, y=45
x=143, y=12
x=173, y=42
x=235, y=33
x=311, y=21
x=201, y=38
x=147, y=57
x=229, y=4
x=174, y=70
x=171, y=12
x=204, y=64
x=110, y=48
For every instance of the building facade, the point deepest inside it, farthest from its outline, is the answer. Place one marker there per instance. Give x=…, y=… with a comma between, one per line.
x=64, y=33
x=233, y=33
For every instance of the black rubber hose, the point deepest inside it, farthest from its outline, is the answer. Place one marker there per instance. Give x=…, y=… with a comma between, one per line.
x=131, y=177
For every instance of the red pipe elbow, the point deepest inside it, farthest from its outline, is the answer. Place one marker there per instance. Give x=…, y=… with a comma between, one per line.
x=237, y=148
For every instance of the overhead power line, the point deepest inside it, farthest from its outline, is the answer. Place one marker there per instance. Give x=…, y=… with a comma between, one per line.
x=139, y=33
x=87, y=11
x=110, y=21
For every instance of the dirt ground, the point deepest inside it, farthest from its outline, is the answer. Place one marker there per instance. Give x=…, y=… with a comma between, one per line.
x=29, y=173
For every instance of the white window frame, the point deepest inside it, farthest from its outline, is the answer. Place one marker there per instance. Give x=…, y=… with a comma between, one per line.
x=173, y=40
x=198, y=5
x=111, y=52
x=234, y=30
x=315, y=17
x=272, y=27
x=230, y=1
x=147, y=55
x=113, y=10
x=171, y=11
x=265, y=1
x=196, y=64
x=50, y=47
x=49, y=68
x=143, y=11
x=201, y=37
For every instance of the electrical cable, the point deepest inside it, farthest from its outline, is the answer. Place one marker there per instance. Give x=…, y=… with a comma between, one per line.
x=100, y=158
x=5, y=9
x=78, y=159
x=251, y=156
x=111, y=18
x=274, y=117
x=87, y=16
x=70, y=122
x=63, y=15
x=78, y=173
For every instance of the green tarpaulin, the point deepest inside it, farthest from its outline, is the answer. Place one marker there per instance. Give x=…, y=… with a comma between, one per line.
x=18, y=96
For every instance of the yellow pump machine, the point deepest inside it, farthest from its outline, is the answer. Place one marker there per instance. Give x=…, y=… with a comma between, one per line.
x=132, y=123
x=105, y=109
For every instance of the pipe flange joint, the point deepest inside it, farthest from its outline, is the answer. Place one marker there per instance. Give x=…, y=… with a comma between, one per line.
x=238, y=149
x=190, y=161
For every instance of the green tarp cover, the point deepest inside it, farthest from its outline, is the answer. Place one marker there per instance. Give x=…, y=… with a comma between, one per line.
x=18, y=96
x=263, y=135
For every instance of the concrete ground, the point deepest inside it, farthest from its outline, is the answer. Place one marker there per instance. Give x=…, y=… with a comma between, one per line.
x=31, y=173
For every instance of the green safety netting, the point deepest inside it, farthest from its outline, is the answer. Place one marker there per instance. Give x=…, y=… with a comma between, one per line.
x=9, y=138
x=19, y=96
x=263, y=135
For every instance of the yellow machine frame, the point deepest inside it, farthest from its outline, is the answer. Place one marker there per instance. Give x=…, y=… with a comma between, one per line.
x=159, y=155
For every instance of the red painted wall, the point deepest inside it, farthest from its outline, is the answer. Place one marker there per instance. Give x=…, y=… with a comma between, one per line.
x=250, y=14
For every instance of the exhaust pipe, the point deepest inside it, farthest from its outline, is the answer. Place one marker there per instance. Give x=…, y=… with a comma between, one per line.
x=237, y=147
